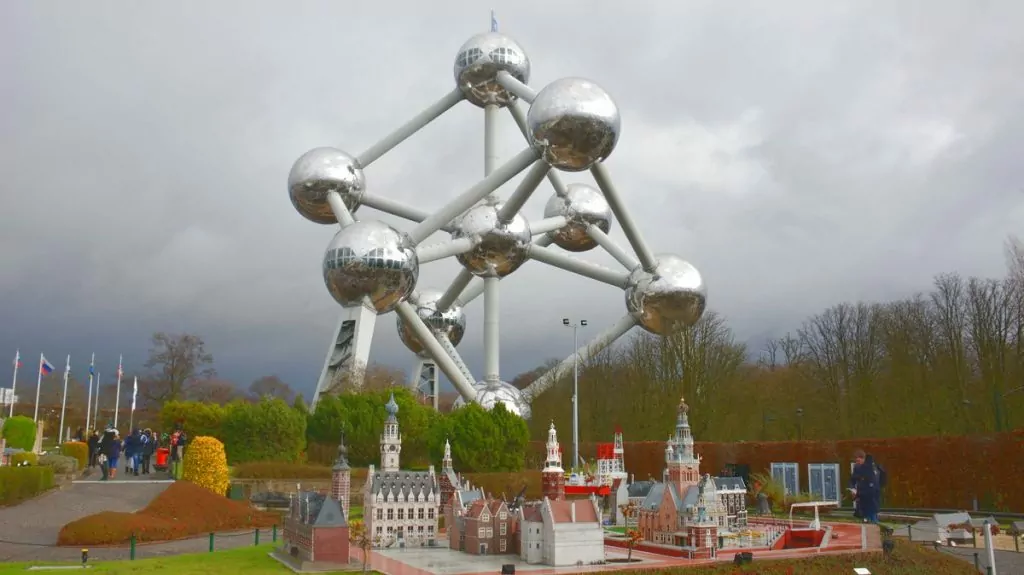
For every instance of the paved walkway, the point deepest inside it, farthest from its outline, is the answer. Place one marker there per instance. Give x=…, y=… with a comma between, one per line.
x=28, y=528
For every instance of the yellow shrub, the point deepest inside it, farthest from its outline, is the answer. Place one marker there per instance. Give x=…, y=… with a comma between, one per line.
x=78, y=450
x=206, y=464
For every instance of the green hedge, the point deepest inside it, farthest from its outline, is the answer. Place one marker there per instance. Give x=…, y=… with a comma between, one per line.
x=24, y=456
x=264, y=431
x=61, y=464
x=20, y=432
x=280, y=470
x=78, y=450
x=197, y=418
x=20, y=483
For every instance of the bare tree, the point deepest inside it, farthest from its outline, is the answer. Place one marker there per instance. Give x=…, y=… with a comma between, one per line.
x=271, y=386
x=213, y=390
x=177, y=361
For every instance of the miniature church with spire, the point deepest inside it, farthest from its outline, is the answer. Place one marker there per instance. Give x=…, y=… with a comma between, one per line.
x=685, y=507
x=400, y=508
x=553, y=476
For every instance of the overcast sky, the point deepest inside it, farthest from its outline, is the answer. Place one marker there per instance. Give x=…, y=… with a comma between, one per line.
x=798, y=153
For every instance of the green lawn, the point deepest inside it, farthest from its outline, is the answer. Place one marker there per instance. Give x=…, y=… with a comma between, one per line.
x=247, y=560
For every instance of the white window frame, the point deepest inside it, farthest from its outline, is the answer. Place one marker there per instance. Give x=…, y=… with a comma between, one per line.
x=837, y=495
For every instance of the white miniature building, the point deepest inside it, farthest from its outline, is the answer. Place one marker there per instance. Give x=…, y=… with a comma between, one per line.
x=561, y=533
x=399, y=507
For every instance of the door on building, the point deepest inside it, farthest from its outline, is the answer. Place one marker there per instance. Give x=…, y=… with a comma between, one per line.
x=483, y=549
x=788, y=475
x=823, y=479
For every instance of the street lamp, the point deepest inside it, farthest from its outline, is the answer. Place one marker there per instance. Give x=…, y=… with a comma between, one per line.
x=575, y=387
x=799, y=424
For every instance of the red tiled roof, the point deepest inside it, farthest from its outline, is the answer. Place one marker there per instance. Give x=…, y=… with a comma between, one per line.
x=475, y=508
x=495, y=505
x=562, y=511
x=532, y=513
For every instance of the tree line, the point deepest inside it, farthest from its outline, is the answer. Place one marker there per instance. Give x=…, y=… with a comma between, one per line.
x=947, y=361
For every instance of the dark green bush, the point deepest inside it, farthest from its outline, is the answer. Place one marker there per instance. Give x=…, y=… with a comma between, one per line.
x=280, y=470
x=20, y=432
x=20, y=483
x=266, y=431
x=197, y=417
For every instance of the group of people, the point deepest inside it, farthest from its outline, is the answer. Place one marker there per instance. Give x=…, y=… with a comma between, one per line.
x=866, y=483
x=107, y=448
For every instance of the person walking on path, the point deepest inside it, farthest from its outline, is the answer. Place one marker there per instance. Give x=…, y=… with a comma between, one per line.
x=105, y=448
x=116, y=447
x=146, y=450
x=94, y=448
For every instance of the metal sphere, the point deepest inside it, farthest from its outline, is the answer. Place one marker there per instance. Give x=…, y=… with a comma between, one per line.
x=370, y=263
x=451, y=322
x=489, y=394
x=582, y=206
x=674, y=296
x=319, y=172
x=477, y=65
x=501, y=247
x=574, y=123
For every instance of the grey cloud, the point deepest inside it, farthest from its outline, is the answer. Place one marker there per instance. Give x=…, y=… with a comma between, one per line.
x=800, y=153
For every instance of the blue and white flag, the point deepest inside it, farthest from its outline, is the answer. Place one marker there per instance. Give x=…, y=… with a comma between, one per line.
x=494, y=22
x=135, y=392
x=45, y=367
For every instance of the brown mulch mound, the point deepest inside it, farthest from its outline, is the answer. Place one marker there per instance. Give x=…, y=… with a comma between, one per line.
x=182, y=510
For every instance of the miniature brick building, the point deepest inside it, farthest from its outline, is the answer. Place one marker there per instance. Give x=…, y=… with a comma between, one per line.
x=553, y=476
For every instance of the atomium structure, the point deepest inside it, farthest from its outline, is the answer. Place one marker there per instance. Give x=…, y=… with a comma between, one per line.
x=371, y=268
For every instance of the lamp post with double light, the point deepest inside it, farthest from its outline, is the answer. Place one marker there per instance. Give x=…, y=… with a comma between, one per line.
x=575, y=387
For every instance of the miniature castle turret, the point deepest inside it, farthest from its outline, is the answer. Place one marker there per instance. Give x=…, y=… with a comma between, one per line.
x=391, y=439
x=341, y=477
x=553, y=476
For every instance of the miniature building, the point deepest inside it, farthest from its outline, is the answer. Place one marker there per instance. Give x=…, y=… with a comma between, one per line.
x=561, y=533
x=485, y=528
x=701, y=530
x=553, y=476
x=448, y=480
x=316, y=528
x=670, y=506
x=399, y=507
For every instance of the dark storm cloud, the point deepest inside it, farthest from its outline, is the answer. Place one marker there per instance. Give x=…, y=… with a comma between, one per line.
x=799, y=153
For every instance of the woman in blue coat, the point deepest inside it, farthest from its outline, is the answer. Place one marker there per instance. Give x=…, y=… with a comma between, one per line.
x=864, y=483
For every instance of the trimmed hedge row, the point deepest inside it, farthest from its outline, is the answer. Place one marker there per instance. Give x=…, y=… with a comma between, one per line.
x=24, y=457
x=182, y=510
x=20, y=483
x=78, y=450
x=989, y=466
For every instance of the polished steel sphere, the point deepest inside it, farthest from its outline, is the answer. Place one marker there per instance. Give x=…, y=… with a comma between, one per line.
x=451, y=322
x=370, y=263
x=489, y=394
x=501, y=247
x=319, y=172
x=582, y=206
x=574, y=123
x=477, y=65
x=674, y=296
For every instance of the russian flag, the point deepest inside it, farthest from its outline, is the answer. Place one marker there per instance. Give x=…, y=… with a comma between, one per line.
x=44, y=366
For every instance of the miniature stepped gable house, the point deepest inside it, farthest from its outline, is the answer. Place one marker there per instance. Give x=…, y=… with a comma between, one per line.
x=671, y=505
x=561, y=533
x=448, y=481
x=399, y=507
x=702, y=530
x=316, y=528
x=553, y=476
x=483, y=527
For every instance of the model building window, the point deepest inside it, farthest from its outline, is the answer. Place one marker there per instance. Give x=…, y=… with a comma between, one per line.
x=430, y=529
x=490, y=532
x=380, y=513
x=419, y=514
x=412, y=513
x=401, y=513
x=503, y=516
x=502, y=545
x=481, y=533
x=502, y=529
x=391, y=514
x=430, y=513
x=380, y=530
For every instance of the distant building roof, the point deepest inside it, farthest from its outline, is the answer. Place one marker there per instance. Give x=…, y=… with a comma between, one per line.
x=319, y=510
x=403, y=482
x=730, y=483
x=562, y=511
x=639, y=488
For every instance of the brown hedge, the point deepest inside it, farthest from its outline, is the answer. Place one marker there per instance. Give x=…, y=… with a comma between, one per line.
x=944, y=472
x=182, y=510
x=78, y=450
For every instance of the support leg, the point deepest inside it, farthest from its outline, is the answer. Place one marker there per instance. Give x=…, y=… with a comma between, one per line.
x=492, y=367
x=407, y=312
x=348, y=352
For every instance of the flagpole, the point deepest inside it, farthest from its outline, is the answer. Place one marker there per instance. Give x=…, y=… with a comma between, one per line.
x=39, y=383
x=96, y=413
x=135, y=392
x=117, y=398
x=88, y=402
x=14, y=382
x=64, y=400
